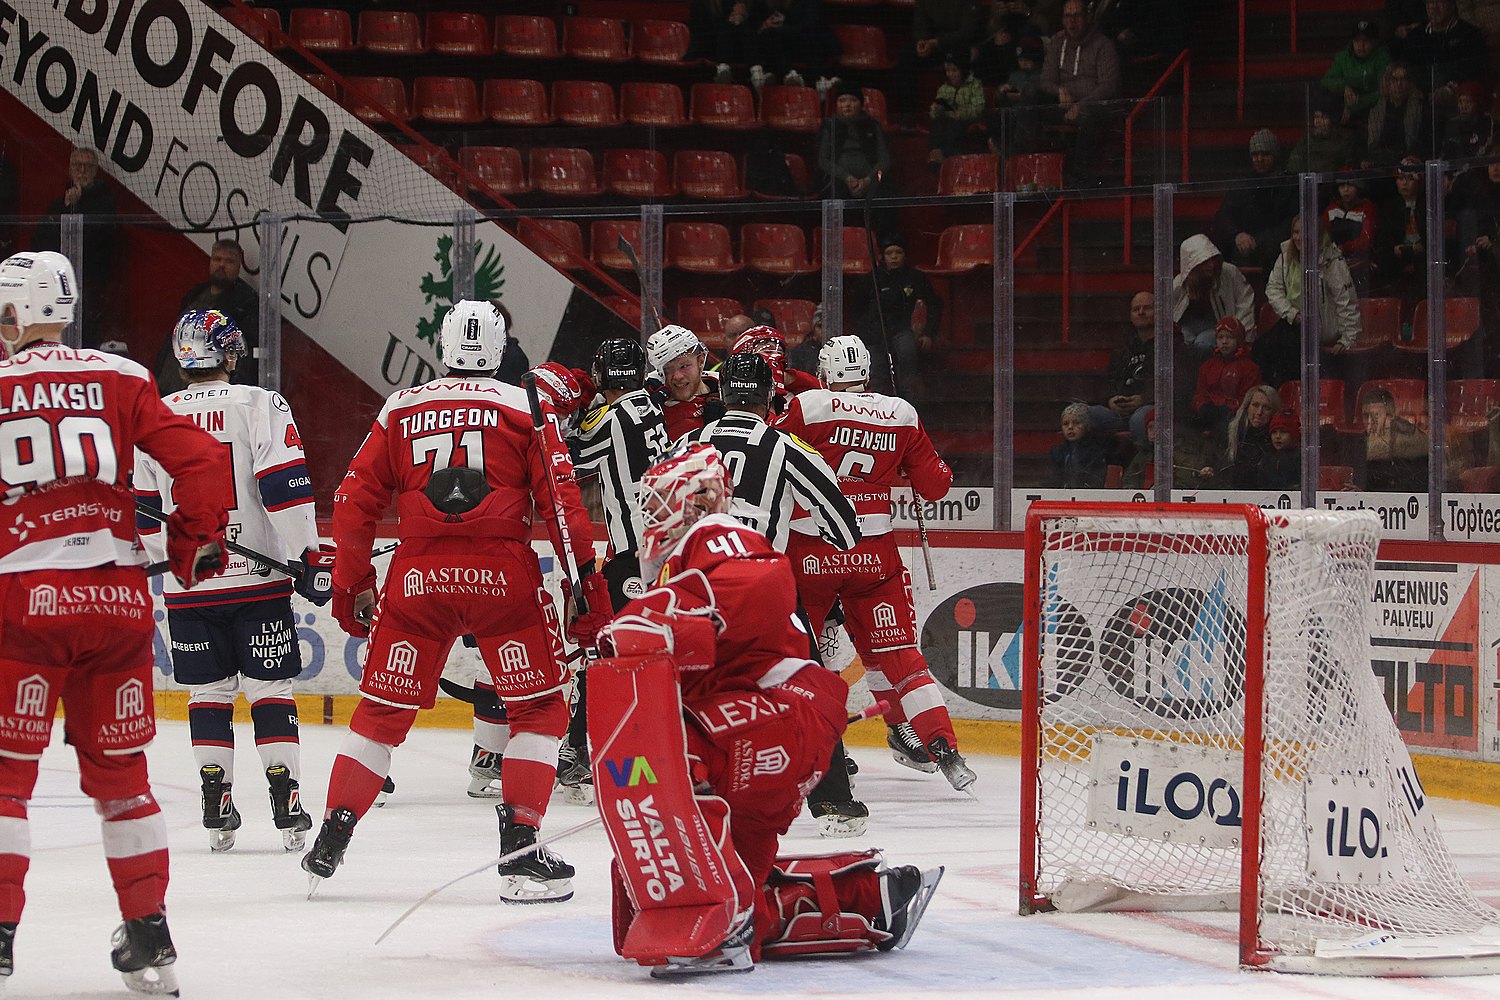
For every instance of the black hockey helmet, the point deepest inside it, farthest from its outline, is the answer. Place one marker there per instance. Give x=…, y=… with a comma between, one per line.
x=746, y=378
x=619, y=363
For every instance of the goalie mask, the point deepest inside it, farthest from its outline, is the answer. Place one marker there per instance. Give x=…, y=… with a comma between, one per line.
x=670, y=343
x=472, y=338
x=766, y=341
x=206, y=338
x=619, y=364
x=685, y=486
x=35, y=288
x=844, y=360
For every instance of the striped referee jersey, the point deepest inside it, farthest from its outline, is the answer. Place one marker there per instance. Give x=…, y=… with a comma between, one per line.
x=619, y=441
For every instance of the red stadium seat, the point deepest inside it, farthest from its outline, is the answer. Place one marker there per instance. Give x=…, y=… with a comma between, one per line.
x=856, y=249
x=625, y=307
x=318, y=29
x=516, y=102
x=704, y=247
x=862, y=46
x=964, y=248
x=658, y=104
x=584, y=102
x=261, y=23
x=661, y=41
x=1379, y=324
x=375, y=99
x=324, y=83
x=557, y=241
x=1332, y=409
x=707, y=173
x=793, y=317
x=451, y=100
x=790, y=109
x=1034, y=172
x=527, y=36
x=796, y=166
x=434, y=160
x=500, y=167
x=1335, y=478
x=564, y=171
x=459, y=33
x=970, y=173
x=604, y=240
x=390, y=32
x=599, y=39
x=1463, y=320
x=775, y=248
x=1470, y=403
x=723, y=105
x=1409, y=395
x=638, y=173
x=706, y=317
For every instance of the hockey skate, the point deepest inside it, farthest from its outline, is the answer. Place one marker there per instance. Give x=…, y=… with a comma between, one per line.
x=7, y=951
x=840, y=819
x=906, y=747
x=286, y=807
x=387, y=788
x=731, y=956
x=484, y=773
x=904, y=895
x=328, y=850
x=952, y=764
x=574, y=775
x=538, y=876
x=220, y=818
x=144, y=955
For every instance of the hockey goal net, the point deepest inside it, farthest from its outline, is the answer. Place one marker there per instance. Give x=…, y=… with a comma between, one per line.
x=1202, y=730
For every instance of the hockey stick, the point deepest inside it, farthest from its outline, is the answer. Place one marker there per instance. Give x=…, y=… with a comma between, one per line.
x=868, y=712
x=539, y=423
x=235, y=547
x=890, y=360
x=384, y=549
x=494, y=863
x=635, y=265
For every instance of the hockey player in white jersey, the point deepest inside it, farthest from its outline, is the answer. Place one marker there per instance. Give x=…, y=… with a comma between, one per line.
x=237, y=633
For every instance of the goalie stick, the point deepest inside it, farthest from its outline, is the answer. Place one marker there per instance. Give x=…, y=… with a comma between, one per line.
x=147, y=510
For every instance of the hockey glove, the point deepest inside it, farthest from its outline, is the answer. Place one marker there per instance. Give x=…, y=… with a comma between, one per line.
x=316, y=581
x=192, y=555
x=595, y=589
x=350, y=607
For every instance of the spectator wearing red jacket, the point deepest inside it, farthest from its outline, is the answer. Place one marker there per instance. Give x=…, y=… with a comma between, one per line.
x=1224, y=378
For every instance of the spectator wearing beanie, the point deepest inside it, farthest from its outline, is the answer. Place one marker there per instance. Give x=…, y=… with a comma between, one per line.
x=1281, y=468
x=852, y=152
x=1251, y=221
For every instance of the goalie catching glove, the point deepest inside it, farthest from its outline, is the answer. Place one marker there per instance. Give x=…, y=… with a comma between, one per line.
x=315, y=582
x=195, y=551
x=597, y=611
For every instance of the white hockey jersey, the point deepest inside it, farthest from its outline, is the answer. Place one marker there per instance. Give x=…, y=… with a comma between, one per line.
x=271, y=508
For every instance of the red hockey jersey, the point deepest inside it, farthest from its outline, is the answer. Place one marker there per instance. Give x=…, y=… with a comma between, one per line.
x=870, y=440
x=479, y=423
x=70, y=421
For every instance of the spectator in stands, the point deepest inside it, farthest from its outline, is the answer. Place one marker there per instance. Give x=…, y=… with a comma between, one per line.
x=736, y=325
x=1471, y=129
x=1479, y=228
x=994, y=56
x=1081, y=462
x=722, y=31
x=229, y=293
x=1402, y=17
x=804, y=356
x=1400, y=251
x=1196, y=457
x=788, y=34
x=1325, y=146
x=939, y=27
x=88, y=194
x=1249, y=439
x=1205, y=290
x=910, y=312
x=1251, y=221
x=1132, y=374
x=1394, y=456
x=1356, y=73
x=1281, y=467
x=1140, y=474
x=852, y=151
x=1022, y=89
x=1398, y=121
x=1445, y=52
x=1350, y=218
x=1278, y=351
x=1080, y=67
x=957, y=105
x=1224, y=378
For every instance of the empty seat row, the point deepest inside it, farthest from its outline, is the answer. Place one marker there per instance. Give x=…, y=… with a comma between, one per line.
x=706, y=316
x=637, y=174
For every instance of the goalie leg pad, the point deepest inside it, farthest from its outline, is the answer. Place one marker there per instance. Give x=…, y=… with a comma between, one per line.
x=825, y=904
x=680, y=878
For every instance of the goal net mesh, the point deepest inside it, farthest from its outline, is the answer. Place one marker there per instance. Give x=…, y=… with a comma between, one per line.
x=1141, y=733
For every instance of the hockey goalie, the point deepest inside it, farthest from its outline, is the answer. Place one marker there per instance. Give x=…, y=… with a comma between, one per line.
x=694, y=800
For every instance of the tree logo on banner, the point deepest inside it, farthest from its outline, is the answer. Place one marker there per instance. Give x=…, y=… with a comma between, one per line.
x=489, y=280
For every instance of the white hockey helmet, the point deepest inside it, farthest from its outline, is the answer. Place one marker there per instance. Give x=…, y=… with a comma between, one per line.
x=844, y=359
x=36, y=288
x=473, y=337
x=670, y=343
x=689, y=482
x=206, y=338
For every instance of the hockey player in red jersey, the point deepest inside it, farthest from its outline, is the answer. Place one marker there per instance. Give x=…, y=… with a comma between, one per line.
x=689, y=395
x=694, y=802
x=238, y=632
x=874, y=442
x=73, y=597
x=768, y=342
x=461, y=457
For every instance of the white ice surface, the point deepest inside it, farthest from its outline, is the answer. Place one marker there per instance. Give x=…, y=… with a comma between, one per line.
x=245, y=929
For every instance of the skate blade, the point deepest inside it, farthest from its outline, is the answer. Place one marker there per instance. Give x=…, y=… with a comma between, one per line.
x=293, y=840
x=220, y=841
x=160, y=981
x=313, y=881
x=734, y=960
x=839, y=827
x=918, y=905
x=578, y=795
x=522, y=889
x=481, y=788
x=905, y=761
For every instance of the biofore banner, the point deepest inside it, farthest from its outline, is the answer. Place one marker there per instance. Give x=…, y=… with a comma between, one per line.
x=210, y=130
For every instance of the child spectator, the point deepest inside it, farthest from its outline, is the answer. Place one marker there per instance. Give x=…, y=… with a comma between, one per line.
x=959, y=102
x=1224, y=377
x=994, y=57
x=1023, y=88
x=1082, y=460
x=1351, y=225
x=1281, y=467
x=1395, y=452
x=1471, y=130
x=1326, y=146
x=1355, y=74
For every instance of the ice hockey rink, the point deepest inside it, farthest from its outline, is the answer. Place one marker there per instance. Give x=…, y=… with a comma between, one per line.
x=244, y=927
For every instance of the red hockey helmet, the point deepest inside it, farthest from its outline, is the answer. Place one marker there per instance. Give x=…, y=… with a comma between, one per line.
x=689, y=482
x=769, y=344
